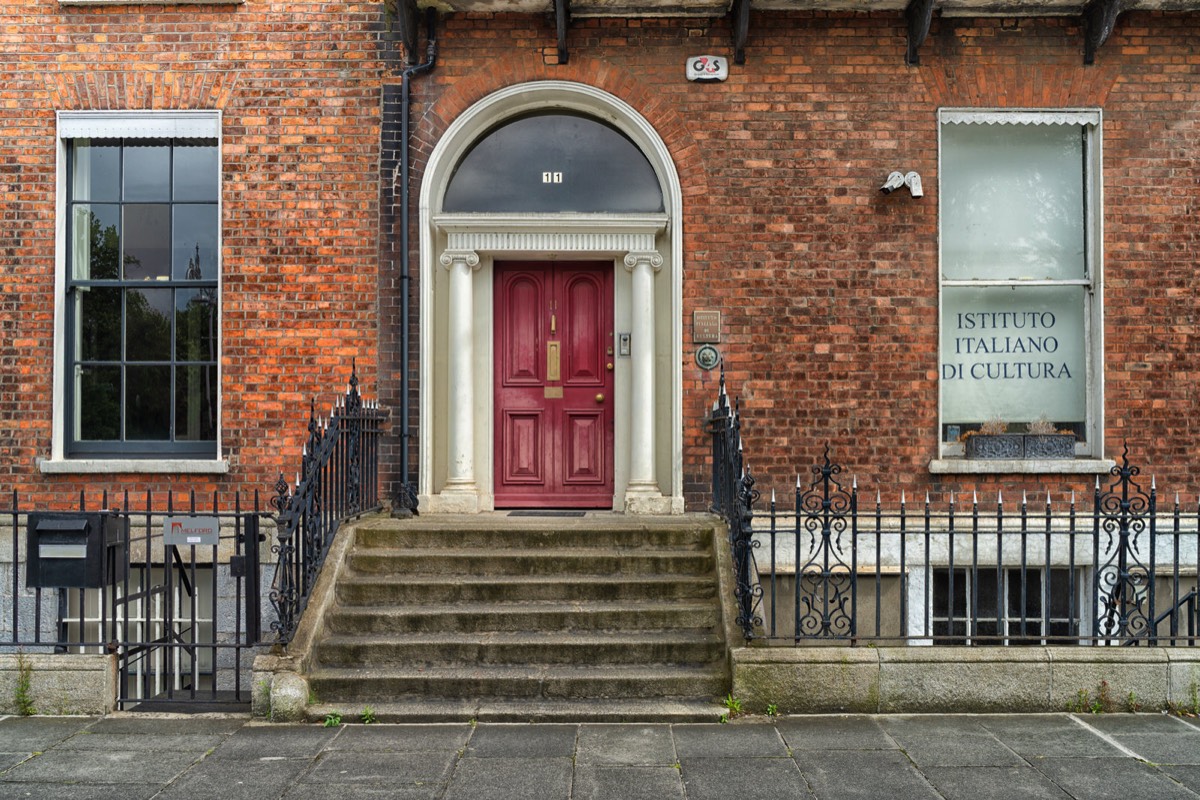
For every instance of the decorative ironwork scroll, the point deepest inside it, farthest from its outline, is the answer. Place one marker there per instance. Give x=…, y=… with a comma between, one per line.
x=825, y=587
x=1123, y=545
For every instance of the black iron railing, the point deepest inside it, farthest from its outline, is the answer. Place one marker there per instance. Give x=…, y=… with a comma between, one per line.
x=182, y=618
x=1119, y=570
x=338, y=480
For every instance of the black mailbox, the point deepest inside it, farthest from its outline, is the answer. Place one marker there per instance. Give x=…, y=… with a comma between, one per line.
x=75, y=551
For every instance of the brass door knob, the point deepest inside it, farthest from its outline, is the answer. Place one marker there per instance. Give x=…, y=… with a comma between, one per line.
x=600, y=398
x=610, y=366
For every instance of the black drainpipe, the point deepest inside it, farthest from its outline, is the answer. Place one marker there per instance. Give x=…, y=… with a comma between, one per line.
x=406, y=496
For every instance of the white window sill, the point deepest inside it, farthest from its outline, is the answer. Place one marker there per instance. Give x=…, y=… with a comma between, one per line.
x=122, y=466
x=1021, y=466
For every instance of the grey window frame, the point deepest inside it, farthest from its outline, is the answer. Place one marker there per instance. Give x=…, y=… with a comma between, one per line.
x=157, y=454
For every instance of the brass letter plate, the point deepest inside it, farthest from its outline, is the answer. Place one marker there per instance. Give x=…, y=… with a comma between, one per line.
x=553, y=393
x=553, y=372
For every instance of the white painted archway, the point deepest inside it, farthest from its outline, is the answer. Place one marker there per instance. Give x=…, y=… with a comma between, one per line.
x=457, y=253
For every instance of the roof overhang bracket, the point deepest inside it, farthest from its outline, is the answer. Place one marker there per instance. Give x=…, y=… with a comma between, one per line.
x=741, y=29
x=1099, y=19
x=562, y=21
x=919, y=15
x=407, y=23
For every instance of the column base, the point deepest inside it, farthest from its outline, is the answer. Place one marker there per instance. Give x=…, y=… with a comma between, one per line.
x=648, y=499
x=452, y=500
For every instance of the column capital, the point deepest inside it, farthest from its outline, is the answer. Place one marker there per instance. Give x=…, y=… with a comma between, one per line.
x=451, y=257
x=651, y=258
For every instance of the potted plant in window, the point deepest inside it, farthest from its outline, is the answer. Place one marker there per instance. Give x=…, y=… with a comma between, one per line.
x=1043, y=441
x=992, y=441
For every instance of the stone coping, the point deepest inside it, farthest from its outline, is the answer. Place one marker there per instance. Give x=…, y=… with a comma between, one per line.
x=945, y=679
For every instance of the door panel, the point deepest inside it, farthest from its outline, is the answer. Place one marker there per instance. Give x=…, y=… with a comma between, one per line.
x=553, y=387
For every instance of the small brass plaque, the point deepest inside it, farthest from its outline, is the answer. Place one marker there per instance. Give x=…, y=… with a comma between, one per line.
x=553, y=393
x=706, y=327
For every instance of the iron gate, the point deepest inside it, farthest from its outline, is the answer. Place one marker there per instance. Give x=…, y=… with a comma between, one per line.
x=174, y=589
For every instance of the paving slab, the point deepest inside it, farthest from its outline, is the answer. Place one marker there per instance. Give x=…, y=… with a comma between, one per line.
x=10, y=760
x=35, y=734
x=89, y=740
x=728, y=741
x=169, y=725
x=869, y=775
x=236, y=779
x=402, y=769
x=993, y=783
x=501, y=740
x=510, y=779
x=1164, y=748
x=834, y=733
x=1188, y=776
x=623, y=782
x=1111, y=779
x=1046, y=736
x=1115, y=724
x=634, y=745
x=85, y=791
x=949, y=742
x=403, y=738
x=367, y=791
x=757, y=779
x=100, y=767
x=276, y=741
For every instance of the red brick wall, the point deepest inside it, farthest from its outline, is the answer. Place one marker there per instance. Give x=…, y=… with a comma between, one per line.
x=829, y=289
x=298, y=85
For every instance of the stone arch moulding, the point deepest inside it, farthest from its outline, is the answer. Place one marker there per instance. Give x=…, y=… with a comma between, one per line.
x=457, y=253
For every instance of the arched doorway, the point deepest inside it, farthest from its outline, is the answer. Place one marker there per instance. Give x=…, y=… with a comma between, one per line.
x=564, y=179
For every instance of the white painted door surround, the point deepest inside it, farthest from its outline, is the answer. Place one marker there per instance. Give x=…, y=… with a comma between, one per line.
x=457, y=255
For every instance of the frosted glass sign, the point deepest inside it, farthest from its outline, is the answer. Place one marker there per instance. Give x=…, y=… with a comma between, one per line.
x=1014, y=353
x=1012, y=202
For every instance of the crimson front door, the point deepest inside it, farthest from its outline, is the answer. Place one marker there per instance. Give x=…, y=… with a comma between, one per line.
x=553, y=384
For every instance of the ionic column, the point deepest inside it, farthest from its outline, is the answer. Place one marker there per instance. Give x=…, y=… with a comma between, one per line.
x=461, y=399
x=642, y=484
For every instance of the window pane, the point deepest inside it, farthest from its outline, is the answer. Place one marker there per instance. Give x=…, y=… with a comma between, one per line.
x=147, y=242
x=1060, y=593
x=147, y=169
x=196, y=324
x=96, y=242
x=1012, y=202
x=147, y=403
x=148, y=319
x=196, y=404
x=95, y=170
x=985, y=583
x=195, y=172
x=1014, y=354
x=1032, y=591
x=194, y=242
x=98, y=411
x=98, y=314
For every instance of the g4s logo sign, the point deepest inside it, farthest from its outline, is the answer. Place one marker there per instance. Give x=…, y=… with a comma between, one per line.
x=707, y=68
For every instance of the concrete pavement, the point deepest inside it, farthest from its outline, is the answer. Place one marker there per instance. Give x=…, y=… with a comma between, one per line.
x=978, y=757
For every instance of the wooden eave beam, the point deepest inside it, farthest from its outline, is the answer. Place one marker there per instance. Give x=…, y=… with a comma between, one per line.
x=741, y=29
x=919, y=15
x=562, y=20
x=407, y=24
x=1099, y=19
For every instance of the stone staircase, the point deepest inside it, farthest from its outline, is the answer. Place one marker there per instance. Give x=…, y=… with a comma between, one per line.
x=499, y=618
